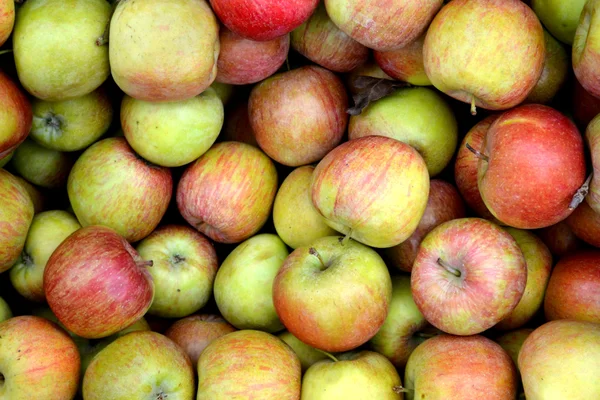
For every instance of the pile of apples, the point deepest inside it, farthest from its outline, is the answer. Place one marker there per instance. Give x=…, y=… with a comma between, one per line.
x=299, y=199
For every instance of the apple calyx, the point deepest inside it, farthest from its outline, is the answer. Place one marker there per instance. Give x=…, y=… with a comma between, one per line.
x=477, y=153
x=331, y=356
x=176, y=259
x=401, y=389
x=49, y=125
x=313, y=252
x=454, y=271
x=26, y=259
x=580, y=194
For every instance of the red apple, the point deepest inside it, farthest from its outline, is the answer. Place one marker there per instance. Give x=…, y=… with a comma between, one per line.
x=405, y=63
x=7, y=19
x=291, y=138
x=236, y=127
x=585, y=105
x=16, y=117
x=585, y=224
x=96, y=283
x=560, y=238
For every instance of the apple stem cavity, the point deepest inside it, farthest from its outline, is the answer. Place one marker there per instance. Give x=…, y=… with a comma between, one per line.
x=328, y=355
x=315, y=253
x=401, y=389
x=477, y=153
x=581, y=193
x=449, y=268
x=473, y=106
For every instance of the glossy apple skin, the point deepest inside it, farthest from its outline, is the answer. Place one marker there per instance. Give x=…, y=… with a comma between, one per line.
x=40, y=361
x=586, y=48
x=405, y=63
x=243, y=61
x=481, y=369
x=227, y=194
x=592, y=138
x=15, y=115
x=560, y=238
x=574, y=288
x=163, y=50
x=197, y=331
x=264, y=19
x=7, y=19
x=41, y=166
x=507, y=68
x=373, y=189
x=96, y=283
x=585, y=224
x=542, y=144
x=561, y=358
x=493, y=275
x=248, y=361
x=512, y=342
x=443, y=204
x=291, y=138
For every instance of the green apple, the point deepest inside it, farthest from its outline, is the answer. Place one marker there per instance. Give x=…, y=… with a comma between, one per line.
x=307, y=355
x=175, y=133
x=560, y=17
x=140, y=366
x=225, y=91
x=42, y=166
x=5, y=311
x=73, y=124
x=356, y=375
x=54, y=44
x=243, y=287
x=556, y=69
x=7, y=19
x=48, y=229
x=296, y=221
x=512, y=342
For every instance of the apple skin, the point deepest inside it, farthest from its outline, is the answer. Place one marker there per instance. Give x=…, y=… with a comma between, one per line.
x=73, y=124
x=111, y=185
x=585, y=224
x=7, y=19
x=296, y=220
x=38, y=197
x=263, y=20
x=560, y=238
x=417, y=116
x=16, y=215
x=560, y=360
x=5, y=311
x=294, y=139
x=443, y=204
x=6, y=159
x=492, y=275
x=333, y=295
x=354, y=375
x=248, y=363
x=451, y=367
x=225, y=91
x=41, y=166
x=574, y=288
x=406, y=63
x=542, y=144
x=508, y=67
x=175, y=133
x=47, y=231
x=54, y=45
x=236, y=127
x=39, y=360
x=512, y=342
x=559, y=17
x=139, y=365
x=106, y=281
x=556, y=69
x=585, y=105
x=227, y=194
x=15, y=115
x=586, y=48
x=322, y=42
x=592, y=138
x=195, y=332
x=383, y=25
x=243, y=61
x=163, y=50
x=184, y=268
x=306, y=354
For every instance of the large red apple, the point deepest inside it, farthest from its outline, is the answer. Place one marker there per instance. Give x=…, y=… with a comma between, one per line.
x=16, y=116
x=96, y=283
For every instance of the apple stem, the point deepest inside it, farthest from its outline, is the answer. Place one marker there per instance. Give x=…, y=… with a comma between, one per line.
x=448, y=267
x=477, y=153
x=328, y=355
x=426, y=335
x=102, y=40
x=473, y=106
x=401, y=389
x=315, y=253
x=5, y=51
x=580, y=194
x=144, y=264
x=287, y=63
x=346, y=238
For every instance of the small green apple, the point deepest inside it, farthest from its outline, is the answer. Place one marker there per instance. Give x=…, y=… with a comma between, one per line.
x=225, y=91
x=42, y=166
x=556, y=69
x=560, y=17
x=5, y=311
x=512, y=342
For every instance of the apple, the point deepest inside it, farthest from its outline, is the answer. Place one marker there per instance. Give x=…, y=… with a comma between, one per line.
x=574, y=288
x=383, y=25
x=586, y=50
x=47, y=231
x=41, y=166
x=539, y=265
x=139, y=365
x=560, y=238
x=540, y=143
x=227, y=194
x=585, y=224
x=54, y=45
x=175, y=133
x=560, y=359
x=400, y=333
x=96, y=283
x=512, y=342
x=16, y=116
x=183, y=270
x=73, y=124
x=469, y=275
x=163, y=50
x=263, y=20
x=38, y=197
x=353, y=375
x=195, y=332
x=373, y=189
x=5, y=311
x=322, y=42
x=7, y=19
x=405, y=63
x=416, y=116
x=248, y=363
x=470, y=367
x=592, y=137
x=6, y=159
x=560, y=17
x=296, y=221
x=333, y=295
x=111, y=185
x=585, y=105
x=39, y=361
x=489, y=53
x=236, y=127
x=291, y=138
x=306, y=354
x=556, y=68
x=16, y=215
x=368, y=69
x=225, y=91
x=444, y=204
x=243, y=61
x=243, y=287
